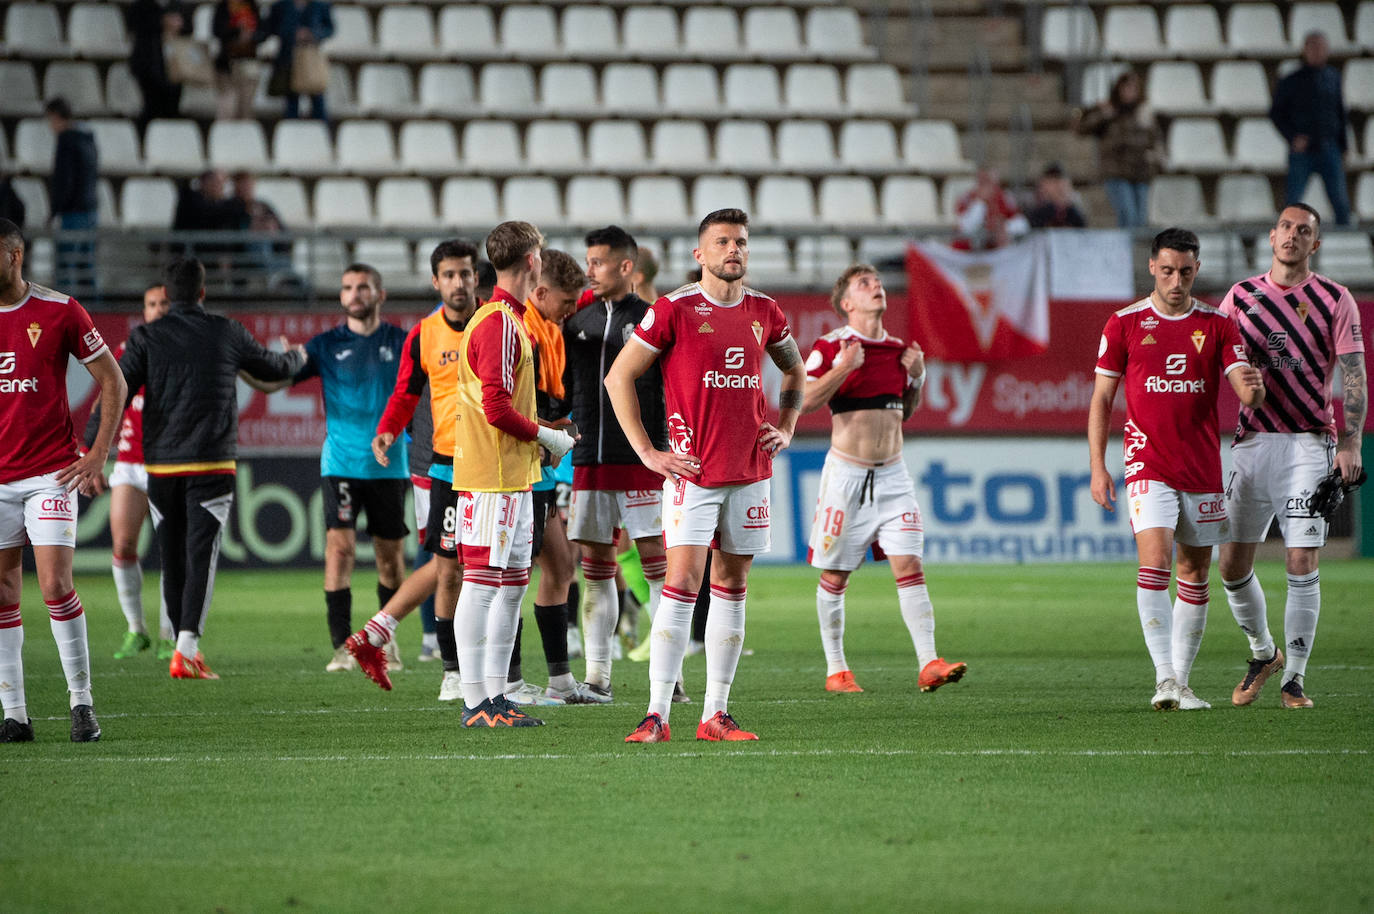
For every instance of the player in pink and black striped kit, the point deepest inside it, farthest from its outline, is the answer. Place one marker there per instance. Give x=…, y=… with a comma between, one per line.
x=1170, y=349
x=711, y=338
x=1298, y=325
x=872, y=383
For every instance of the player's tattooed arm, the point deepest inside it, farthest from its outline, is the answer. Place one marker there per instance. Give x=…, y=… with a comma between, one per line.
x=785, y=354
x=1356, y=408
x=788, y=358
x=790, y=399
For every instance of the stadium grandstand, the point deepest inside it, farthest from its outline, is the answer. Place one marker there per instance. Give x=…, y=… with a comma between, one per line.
x=844, y=129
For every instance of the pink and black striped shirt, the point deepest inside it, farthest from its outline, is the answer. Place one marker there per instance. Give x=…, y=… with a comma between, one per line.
x=1294, y=336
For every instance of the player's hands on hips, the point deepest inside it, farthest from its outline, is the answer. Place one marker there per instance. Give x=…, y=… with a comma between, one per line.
x=86, y=474
x=914, y=361
x=673, y=466
x=850, y=357
x=1348, y=461
x=773, y=439
x=380, y=445
x=1104, y=490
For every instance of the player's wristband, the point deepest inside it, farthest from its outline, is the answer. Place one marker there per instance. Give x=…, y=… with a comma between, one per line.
x=554, y=440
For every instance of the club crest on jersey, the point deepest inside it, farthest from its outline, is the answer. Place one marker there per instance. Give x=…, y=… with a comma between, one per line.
x=758, y=331
x=35, y=332
x=1303, y=308
x=705, y=328
x=1199, y=340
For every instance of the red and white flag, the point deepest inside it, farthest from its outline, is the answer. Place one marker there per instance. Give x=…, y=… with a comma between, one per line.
x=979, y=307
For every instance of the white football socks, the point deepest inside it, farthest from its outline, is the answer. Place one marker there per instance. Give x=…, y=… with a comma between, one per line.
x=1156, y=618
x=1248, y=606
x=381, y=628
x=68, y=621
x=668, y=645
x=600, y=613
x=1189, y=622
x=481, y=585
x=724, y=644
x=12, y=664
x=1300, y=614
x=919, y=615
x=128, y=578
x=502, y=621
x=830, y=613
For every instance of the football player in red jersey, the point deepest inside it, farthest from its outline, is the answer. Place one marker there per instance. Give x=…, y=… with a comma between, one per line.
x=1170, y=349
x=40, y=464
x=710, y=338
x=872, y=382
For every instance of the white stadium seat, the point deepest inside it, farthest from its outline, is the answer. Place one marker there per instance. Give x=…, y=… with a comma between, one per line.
x=528, y=30
x=713, y=192
x=532, y=199
x=848, y=201
x=1069, y=32
x=343, y=202
x=403, y=202
x=1357, y=84
x=1193, y=31
x=752, y=88
x=302, y=147
x=34, y=145
x=1132, y=33
x=447, y=88
x=933, y=147
x=909, y=200
x=1255, y=30
x=491, y=147
x=428, y=148
x=352, y=38
x=691, y=89
x=467, y=32
x=287, y=197
x=1258, y=146
x=122, y=94
x=1319, y=17
x=118, y=146
x=365, y=147
x=469, y=202
x=1175, y=87
x=1197, y=144
x=568, y=89
x=835, y=33
x=96, y=31
x=711, y=32
x=33, y=30
x=590, y=32
x=657, y=202
x=812, y=89
x=651, y=31
x=146, y=203
x=554, y=147
x=78, y=82
x=1240, y=87
x=1364, y=25
x=406, y=32
x=745, y=146
x=869, y=146
x=876, y=89
x=173, y=147
x=1244, y=198
x=630, y=88
x=679, y=146
x=1364, y=196
x=822, y=257
x=806, y=146
x=237, y=145
x=385, y=89
x=507, y=88
x=33, y=193
x=1177, y=200
x=19, y=93
x=617, y=146
x=772, y=32
x=785, y=201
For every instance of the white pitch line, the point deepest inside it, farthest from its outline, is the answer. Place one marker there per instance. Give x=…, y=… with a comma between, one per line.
x=727, y=753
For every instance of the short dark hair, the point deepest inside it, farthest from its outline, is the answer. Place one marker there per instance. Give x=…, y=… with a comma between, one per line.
x=621, y=242
x=841, y=287
x=456, y=248
x=60, y=106
x=724, y=217
x=486, y=276
x=647, y=264
x=184, y=279
x=510, y=241
x=1306, y=208
x=562, y=272
x=374, y=276
x=10, y=234
x=1175, y=239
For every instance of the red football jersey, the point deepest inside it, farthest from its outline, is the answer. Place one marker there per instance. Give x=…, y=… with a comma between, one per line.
x=129, y=441
x=878, y=383
x=1172, y=367
x=712, y=356
x=37, y=336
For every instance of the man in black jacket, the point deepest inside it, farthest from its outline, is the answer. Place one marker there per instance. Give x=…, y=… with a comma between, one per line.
x=71, y=191
x=188, y=363
x=1309, y=111
x=612, y=490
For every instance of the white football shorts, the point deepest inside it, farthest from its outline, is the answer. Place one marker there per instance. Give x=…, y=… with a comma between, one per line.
x=130, y=474
x=594, y=515
x=1273, y=474
x=1197, y=518
x=419, y=486
x=735, y=516
x=41, y=508
x=858, y=506
x=497, y=529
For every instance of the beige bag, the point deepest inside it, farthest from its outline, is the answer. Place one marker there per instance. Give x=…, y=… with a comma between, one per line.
x=188, y=62
x=309, y=70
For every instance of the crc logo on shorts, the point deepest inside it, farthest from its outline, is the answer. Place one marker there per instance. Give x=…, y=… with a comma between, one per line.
x=58, y=504
x=757, y=512
x=1212, y=509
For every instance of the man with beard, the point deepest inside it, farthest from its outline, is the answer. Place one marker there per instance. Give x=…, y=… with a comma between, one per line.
x=357, y=364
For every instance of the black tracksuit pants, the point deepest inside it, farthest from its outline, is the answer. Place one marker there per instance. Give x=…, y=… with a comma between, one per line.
x=189, y=514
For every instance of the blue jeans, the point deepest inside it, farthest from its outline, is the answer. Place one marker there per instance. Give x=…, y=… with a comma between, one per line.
x=1325, y=160
x=317, y=112
x=1130, y=199
x=75, y=267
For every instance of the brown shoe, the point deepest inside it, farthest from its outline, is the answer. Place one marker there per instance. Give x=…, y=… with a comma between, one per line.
x=1255, y=677
x=1291, y=696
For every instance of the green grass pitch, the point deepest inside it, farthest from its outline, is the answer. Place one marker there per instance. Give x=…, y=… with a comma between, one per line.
x=1042, y=782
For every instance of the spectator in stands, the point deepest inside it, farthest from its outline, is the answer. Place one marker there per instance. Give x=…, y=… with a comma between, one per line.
x=236, y=66
x=150, y=21
x=646, y=271
x=1309, y=111
x=1055, y=204
x=297, y=22
x=72, y=192
x=11, y=207
x=273, y=258
x=987, y=215
x=1128, y=150
x=203, y=207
